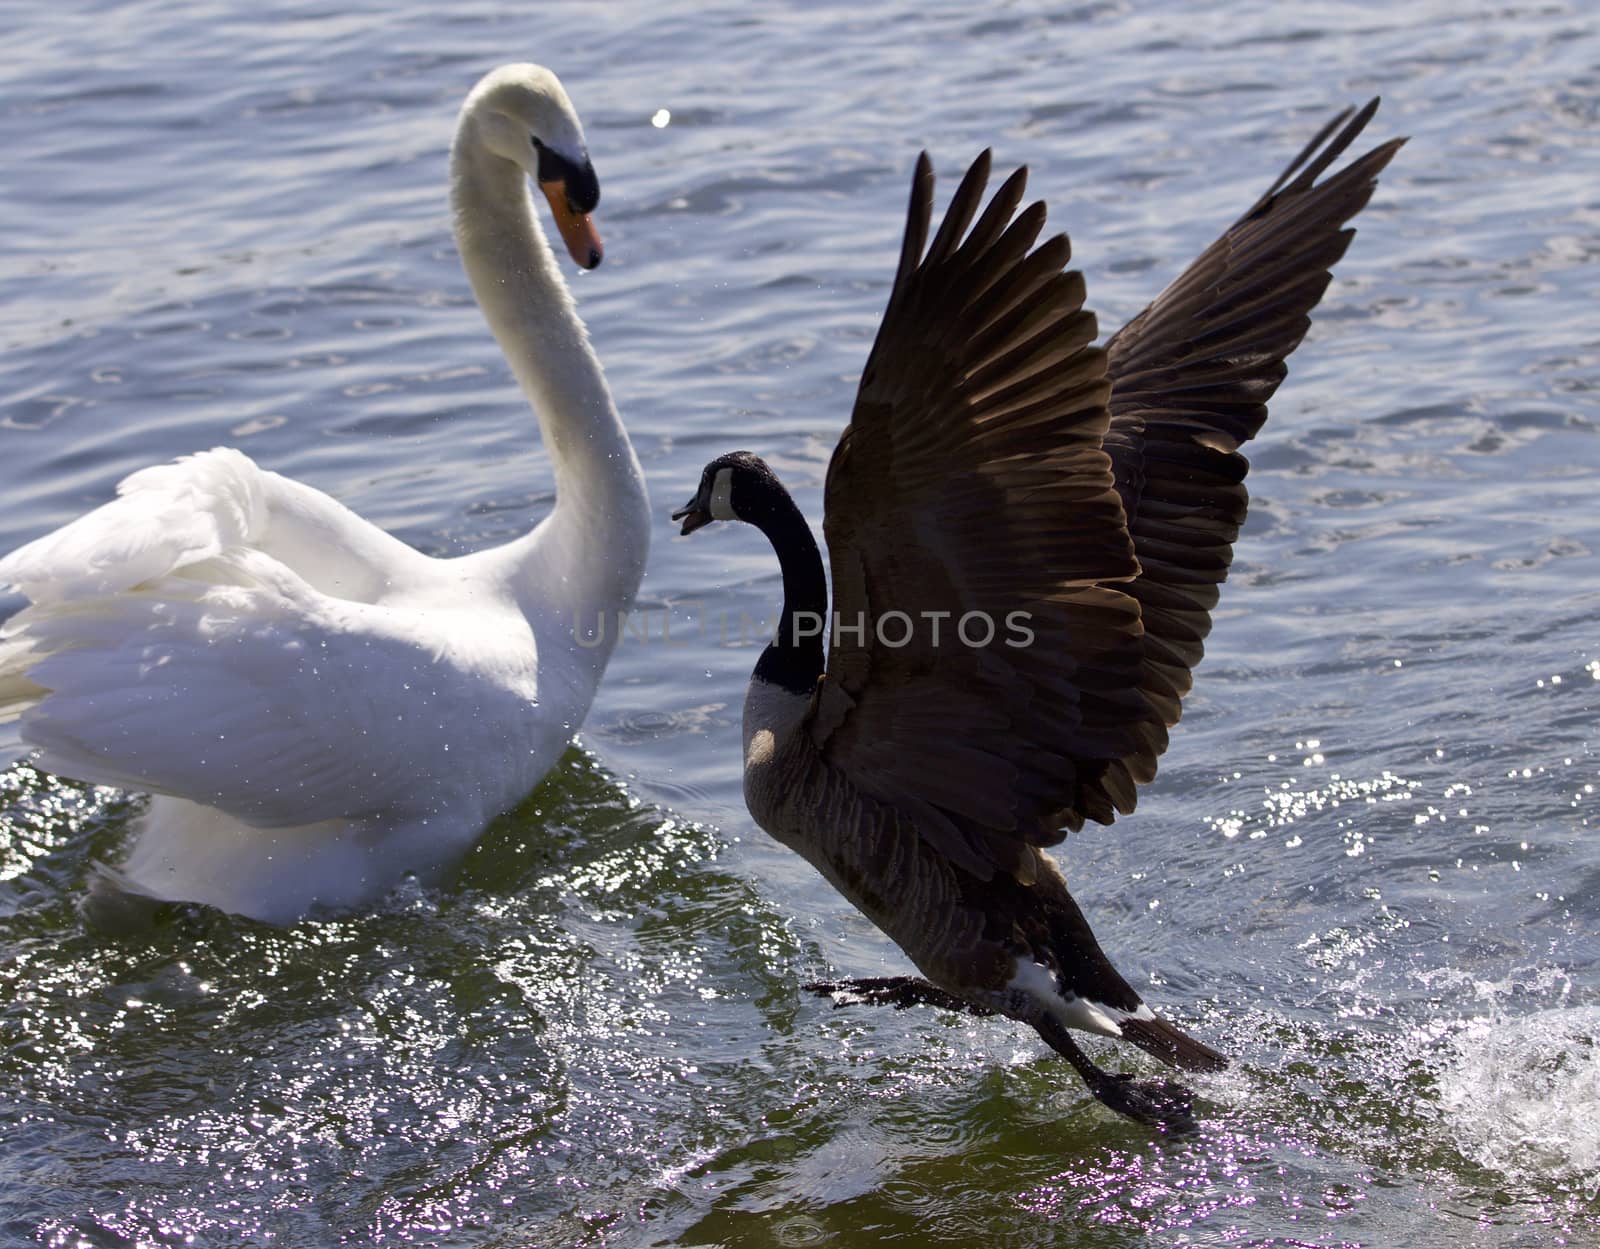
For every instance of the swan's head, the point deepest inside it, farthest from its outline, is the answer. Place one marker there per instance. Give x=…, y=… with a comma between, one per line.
x=521, y=113
x=736, y=486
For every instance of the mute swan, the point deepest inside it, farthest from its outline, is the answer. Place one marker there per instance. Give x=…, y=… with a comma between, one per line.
x=1027, y=535
x=318, y=708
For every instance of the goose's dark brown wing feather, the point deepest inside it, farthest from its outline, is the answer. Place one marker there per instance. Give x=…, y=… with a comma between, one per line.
x=1190, y=380
x=972, y=479
x=996, y=463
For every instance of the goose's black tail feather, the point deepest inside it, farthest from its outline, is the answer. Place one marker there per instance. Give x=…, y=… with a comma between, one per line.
x=1171, y=1046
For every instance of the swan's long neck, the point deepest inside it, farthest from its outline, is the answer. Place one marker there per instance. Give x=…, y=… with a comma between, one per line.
x=598, y=534
x=794, y=659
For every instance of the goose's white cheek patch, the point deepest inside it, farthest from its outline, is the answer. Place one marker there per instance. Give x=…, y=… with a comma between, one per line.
x=722, y=496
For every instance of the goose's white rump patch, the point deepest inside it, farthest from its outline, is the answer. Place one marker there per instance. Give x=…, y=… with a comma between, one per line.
x=1038, y=982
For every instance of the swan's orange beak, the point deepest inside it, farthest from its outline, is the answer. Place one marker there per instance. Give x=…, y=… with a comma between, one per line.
x=577, y=230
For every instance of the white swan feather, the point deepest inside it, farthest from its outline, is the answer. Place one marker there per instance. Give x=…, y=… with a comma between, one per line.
x=317, y=707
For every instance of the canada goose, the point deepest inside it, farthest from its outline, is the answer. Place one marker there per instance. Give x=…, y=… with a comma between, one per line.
x=318, y=707
x=1027, y=535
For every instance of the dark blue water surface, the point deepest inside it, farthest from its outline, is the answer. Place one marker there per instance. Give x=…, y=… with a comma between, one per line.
x=1368, y=868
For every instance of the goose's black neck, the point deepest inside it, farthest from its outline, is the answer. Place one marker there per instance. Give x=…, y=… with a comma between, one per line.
x=795, y=658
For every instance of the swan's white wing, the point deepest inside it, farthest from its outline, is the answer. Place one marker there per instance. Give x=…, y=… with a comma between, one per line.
x=198, y=507
x=238, y=685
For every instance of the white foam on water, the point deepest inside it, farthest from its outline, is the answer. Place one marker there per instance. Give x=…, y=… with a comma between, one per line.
x=1522, y=1093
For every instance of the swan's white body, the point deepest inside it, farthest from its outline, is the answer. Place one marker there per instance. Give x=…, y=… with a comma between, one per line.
x=318, y=708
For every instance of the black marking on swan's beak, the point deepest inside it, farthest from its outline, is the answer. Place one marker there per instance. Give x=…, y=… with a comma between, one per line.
x=573, y=192
x=582, y=188
x=693, y=516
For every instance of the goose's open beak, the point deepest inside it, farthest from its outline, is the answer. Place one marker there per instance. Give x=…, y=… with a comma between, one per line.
x=693, y=516
x=577, y=230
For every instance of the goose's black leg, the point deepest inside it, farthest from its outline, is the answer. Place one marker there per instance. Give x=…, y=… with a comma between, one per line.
x=1158, y=1103
x=896, y=991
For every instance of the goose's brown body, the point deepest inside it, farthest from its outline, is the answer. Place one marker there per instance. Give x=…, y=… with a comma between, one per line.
x=999, y=467
x=973, y=938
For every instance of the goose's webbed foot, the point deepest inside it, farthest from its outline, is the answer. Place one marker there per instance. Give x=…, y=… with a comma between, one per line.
x=1158, y=1103
x=1163, y=1104
x=896, y=991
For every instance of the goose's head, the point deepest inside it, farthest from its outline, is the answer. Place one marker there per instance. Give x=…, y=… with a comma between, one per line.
x=521, y=113
x=736, y=486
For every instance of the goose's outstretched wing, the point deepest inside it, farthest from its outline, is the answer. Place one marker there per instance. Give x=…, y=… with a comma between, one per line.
x=988, y=473
x=1190, y=380
x=983, y=667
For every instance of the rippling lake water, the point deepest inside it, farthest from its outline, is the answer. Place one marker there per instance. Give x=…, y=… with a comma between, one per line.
x=1368, y=868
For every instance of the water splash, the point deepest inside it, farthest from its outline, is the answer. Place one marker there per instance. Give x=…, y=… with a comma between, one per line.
x=1520, y=1089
